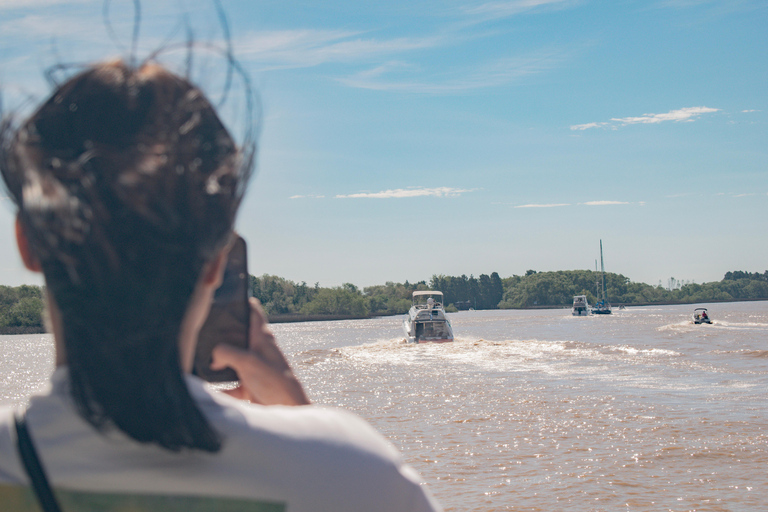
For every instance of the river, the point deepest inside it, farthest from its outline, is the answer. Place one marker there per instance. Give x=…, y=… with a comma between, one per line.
x=538, y=410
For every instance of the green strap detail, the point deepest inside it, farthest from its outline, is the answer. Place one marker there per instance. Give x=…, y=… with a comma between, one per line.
x=21, y=499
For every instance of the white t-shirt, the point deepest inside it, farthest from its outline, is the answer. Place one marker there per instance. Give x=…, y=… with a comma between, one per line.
x=309, y=458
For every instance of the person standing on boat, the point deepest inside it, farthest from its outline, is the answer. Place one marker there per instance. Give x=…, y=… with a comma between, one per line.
x=127, y=186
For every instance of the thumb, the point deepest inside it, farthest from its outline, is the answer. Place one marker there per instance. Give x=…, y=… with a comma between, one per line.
x=226, y=356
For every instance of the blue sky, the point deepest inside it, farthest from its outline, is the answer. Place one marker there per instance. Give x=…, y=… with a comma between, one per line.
x=403, y=139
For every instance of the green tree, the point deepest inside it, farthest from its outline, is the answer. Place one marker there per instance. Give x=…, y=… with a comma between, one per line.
x=337, y=301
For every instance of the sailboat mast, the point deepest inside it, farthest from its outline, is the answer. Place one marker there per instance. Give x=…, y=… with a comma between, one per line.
x=597, y=284
x=602, y=268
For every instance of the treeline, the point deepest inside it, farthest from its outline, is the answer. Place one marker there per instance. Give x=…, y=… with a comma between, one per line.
x=281, y=296
x=558, y=289
x=534, y=289
x=21, y=307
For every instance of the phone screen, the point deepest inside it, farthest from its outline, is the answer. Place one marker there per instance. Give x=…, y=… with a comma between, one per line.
x=228, y=320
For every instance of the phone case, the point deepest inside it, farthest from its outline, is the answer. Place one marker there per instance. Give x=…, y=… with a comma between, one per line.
x=228, y=319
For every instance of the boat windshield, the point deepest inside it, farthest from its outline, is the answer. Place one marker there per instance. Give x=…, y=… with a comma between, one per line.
x=423, y=300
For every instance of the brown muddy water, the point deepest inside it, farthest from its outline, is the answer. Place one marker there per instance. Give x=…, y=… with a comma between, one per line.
x=539, y=410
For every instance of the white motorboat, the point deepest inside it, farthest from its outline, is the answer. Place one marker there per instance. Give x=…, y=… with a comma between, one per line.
x=700, y=316
x=580, y=306
x=426, y=320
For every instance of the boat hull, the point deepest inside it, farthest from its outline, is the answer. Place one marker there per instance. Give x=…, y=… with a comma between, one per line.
x=580, y=306
x=700, y=316
x=426, y=321
x=430, y=331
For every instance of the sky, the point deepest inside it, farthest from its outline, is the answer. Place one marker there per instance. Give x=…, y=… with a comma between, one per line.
x=407, y=138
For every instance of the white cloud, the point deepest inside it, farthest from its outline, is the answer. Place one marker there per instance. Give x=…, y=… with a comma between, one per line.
x=683, y=114
x=588, y=203
x=686, y=114
x=587, y=126
x=553, y=205
x=406, y=193
x=750, y=110
x=310, y=196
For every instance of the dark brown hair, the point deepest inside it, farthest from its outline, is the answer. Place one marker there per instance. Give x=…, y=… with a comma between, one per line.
x=127, y=184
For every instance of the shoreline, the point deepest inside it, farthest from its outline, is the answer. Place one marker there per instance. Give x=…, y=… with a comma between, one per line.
x=297, y=318
x=289, y=318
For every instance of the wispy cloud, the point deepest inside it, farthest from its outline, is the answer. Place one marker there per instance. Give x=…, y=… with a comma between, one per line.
x=309, y=196
x=407, y=193
x=503, y=9
x=684, y=114
x=387, y=64
x=553, y=205
x=400, y=77
x=714, y=8
x=588, y=203
x=307, y=48
x=587, y=126
x=750, y=110
x=40, y=25
x=26, y=4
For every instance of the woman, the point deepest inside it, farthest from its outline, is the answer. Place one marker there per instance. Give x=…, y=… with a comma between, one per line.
x=127, y=185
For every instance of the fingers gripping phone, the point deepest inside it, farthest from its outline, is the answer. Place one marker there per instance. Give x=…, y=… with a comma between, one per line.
x=228, y=320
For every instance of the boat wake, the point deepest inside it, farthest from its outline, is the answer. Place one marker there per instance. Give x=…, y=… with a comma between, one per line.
x=683, y=325
x=498, y=355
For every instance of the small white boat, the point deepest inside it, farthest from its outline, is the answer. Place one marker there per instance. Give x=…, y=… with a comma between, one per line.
x=580, y=306
x=700, y=316
x=426, y=320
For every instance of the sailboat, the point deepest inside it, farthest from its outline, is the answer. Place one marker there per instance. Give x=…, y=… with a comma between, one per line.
x=601, y=307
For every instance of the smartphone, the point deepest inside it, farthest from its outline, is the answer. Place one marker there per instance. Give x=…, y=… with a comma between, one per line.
x=228, y=320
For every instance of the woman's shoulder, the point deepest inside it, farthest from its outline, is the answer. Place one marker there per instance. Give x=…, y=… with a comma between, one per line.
x=299, y=426
x=318, y=456
x=10, y=469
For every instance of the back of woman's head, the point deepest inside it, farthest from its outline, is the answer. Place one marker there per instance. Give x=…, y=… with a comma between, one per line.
x=127, y=184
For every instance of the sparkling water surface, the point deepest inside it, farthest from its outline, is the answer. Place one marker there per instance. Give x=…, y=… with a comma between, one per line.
x=540, y=410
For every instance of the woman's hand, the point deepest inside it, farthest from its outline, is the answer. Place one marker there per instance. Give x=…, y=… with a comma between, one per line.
x=265, y=376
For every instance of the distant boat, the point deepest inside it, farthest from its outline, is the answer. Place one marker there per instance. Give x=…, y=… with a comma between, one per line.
x=580, y=306
x=700, y=316
x=426, y=320
x=601, y=307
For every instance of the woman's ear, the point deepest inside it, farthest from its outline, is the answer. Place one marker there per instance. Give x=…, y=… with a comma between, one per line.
x=29, y=259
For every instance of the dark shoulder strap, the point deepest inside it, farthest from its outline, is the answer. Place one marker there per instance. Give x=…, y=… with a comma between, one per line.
x=34, y=468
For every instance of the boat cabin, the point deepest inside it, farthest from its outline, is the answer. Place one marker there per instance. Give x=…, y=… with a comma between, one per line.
x=427, y=300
